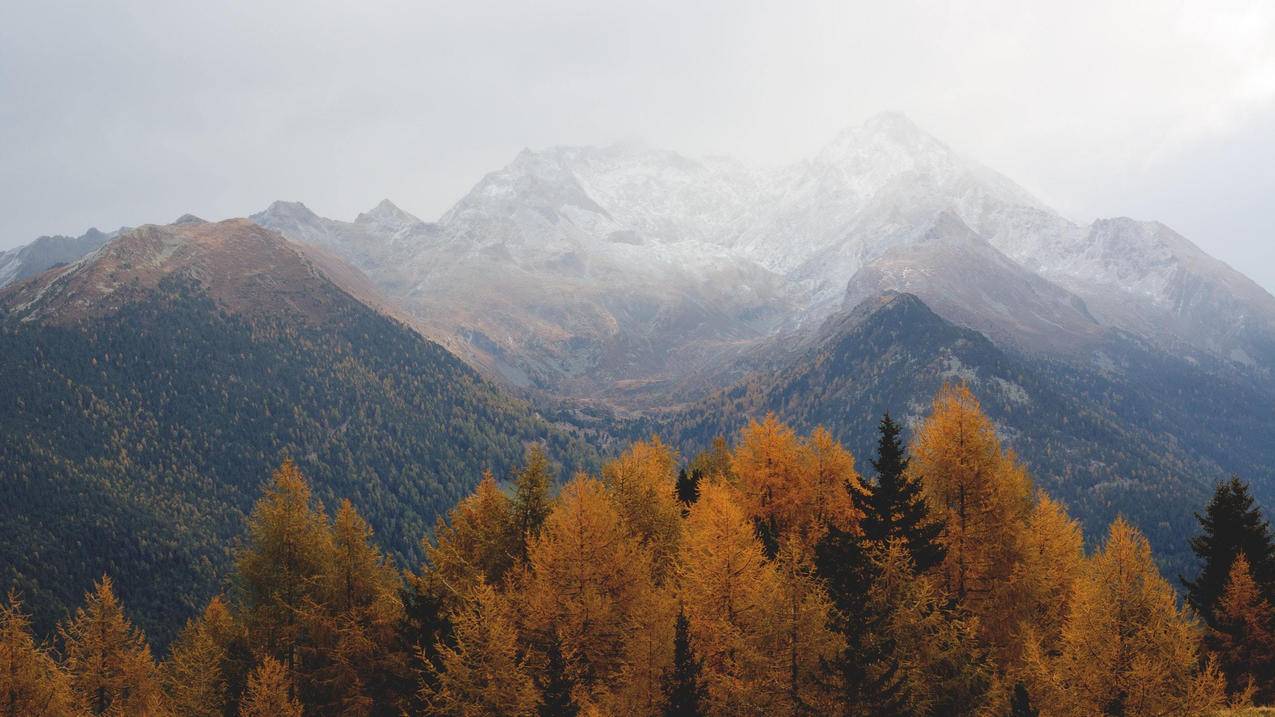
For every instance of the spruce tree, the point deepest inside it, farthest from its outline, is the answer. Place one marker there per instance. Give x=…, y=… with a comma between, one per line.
x=556, y=699
x=866, y=671
x=1232, y=523
x=684, y=686
x=688, y=485
x=893, y=505
x=1020, y=704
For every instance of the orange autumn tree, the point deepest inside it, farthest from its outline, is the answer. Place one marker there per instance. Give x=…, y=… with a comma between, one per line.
x=195, y=673
x=31, y=682
x=1126, y=647
x=793, y=488
x=983, y=495
x=642, y=481
x=589, y=578
x=1244, y=635
x=729, y=590
x=110, y=664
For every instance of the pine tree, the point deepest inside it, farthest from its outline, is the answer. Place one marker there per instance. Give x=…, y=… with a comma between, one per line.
x=1244, y=635
x=732, y=598
x=269, y=692
x=31, y=682
x=894, y=506
x=479, y=541
x=688, y=486
x=1231, y=524
x=194, y=674
x=110, y=664
x=531, y=503
x=1020, y=704
x=684, y=685
x=556, y=698
x=866, y=671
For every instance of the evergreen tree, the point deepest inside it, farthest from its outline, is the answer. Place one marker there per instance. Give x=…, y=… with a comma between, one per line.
x=684, y=685
x=531, y=504
x=1020, y=704
x=688, y=485
x=894, y=506
x=866, y=671
x=556, y=698
x=1232, y=523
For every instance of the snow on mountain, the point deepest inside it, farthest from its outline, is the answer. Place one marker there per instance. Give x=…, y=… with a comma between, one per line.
x=597, y=265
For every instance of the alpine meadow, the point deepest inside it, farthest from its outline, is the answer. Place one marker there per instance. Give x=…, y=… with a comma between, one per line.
x=817, y=414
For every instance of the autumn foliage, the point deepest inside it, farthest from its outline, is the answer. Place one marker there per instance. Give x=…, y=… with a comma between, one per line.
x=768, y=578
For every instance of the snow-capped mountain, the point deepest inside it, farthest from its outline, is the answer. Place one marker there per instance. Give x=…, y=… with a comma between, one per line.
x=604, y=269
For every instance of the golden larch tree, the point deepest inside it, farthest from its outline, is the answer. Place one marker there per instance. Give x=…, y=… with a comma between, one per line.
x=352, y=652
x=731, y=595
x=269, y=692
x=588, y=579
x=982, y=494
x=1035, y=602
x=1126, y=648
x=110, y=664
x=282, y=571
x=480, y=673
x=1244, y=636
x=643, y=483
x=476, y=542
x=194, y=675
x=31, y=682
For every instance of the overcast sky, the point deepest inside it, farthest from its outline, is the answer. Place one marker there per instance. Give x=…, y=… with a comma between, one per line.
x=116, y=113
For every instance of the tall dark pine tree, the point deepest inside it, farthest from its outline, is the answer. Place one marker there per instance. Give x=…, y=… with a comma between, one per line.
x=866, y=669
x=688, y=485
x=1020, y=703
x=555, y=690
x=684, y=685
x=1231, y=523
x=893, y=505
x=531, y=498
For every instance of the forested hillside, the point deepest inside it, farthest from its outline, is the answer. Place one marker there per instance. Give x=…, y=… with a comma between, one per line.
x=1126, y=437
x=133, y=443
x=764, y=577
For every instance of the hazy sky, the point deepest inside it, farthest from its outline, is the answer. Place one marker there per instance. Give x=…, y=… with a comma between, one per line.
x=118, y=113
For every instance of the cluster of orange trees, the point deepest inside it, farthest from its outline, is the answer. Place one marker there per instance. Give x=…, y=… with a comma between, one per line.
x=767, y=578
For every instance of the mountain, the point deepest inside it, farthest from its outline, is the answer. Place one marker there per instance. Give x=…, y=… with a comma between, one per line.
x=31, y=259
x=152, y=385
x=1140, y=433
x=628, y=275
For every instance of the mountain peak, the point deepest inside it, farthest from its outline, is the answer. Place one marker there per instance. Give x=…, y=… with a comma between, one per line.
x=386, y=213
x=189, y=219
x=295, y=210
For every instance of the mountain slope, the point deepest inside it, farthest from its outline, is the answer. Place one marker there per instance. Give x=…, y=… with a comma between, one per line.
x=155, y=384
x=31, y=259
x=1122, y=437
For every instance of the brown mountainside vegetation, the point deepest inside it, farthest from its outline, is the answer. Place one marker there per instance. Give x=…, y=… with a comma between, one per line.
x=763, y=577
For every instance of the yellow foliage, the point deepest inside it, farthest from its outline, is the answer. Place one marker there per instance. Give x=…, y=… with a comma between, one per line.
x=643, y=483
x=1126, y=647
x=31, y=682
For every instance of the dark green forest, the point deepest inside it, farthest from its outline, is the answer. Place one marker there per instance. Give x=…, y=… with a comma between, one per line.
x=135, y=444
